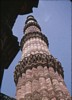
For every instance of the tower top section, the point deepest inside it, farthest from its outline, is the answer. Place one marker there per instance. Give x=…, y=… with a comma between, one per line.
x=32, y=24
x=32, y=30
x=30, y=18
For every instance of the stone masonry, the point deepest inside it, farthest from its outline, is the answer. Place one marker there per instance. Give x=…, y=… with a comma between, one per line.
x=38, y=76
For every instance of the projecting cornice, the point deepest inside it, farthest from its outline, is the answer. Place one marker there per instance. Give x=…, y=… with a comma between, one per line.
x=35, y=61
x=33, y=35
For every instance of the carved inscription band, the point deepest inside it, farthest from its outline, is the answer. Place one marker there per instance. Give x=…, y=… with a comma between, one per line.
x=36, y=60
x=31, y=24
x=33, y=35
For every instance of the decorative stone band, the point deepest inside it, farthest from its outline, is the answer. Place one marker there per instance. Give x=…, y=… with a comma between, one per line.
x=30, y=19
x=33, y=35
x=37, y=60
x=31, y=24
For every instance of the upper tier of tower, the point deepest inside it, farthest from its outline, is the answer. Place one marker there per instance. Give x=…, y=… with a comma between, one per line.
x=31, y=25
x=30, y=18
x=32, y=30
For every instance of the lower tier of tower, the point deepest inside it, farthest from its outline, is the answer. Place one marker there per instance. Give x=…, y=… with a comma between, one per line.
x=41, y=84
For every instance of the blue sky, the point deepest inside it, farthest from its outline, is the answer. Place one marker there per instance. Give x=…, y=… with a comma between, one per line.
x=54, y=17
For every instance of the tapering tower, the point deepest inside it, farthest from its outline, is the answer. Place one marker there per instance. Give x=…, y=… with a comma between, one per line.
x=38, y=76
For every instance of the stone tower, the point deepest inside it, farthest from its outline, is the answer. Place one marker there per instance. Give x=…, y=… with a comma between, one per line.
x=38, y=76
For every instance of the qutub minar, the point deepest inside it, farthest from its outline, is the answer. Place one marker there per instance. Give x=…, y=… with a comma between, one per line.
x=38, y=76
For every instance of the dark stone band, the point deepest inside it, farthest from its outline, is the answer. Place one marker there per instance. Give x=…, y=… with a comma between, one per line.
x=31, y=24
x=33, y=35
x=35, y=61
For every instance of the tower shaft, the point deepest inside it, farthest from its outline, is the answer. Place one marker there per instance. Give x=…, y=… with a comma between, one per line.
x=38, y=76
